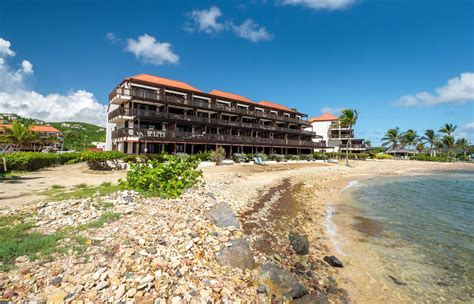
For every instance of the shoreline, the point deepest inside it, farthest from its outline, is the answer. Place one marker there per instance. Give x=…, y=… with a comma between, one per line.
x=351, y=229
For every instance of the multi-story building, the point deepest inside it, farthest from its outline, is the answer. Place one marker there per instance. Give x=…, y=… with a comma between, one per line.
x=45, y=138
x=334, y=135
x=150, y=114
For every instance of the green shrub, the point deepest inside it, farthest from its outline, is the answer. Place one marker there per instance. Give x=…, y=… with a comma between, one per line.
x=307, y=157
x=218, y=156
x=240, y=157
x=383, y=156
x=31, y=161
x=423, y=157
x=320, y=155
x=167, y=180
x=203, y=156
x=101, y=160
x=277, y=157
x=130, y=158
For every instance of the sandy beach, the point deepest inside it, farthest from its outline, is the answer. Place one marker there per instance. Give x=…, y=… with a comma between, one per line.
x=158, y=248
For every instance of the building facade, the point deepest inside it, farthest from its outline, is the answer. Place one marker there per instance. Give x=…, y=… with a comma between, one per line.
x=334, y=135
x=46, y=138
x=150, y=114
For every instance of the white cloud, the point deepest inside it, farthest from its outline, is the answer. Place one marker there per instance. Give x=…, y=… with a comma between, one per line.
x=320, y=4
x=5, y=48
x=251, y=31
x=78, y=105
x=466, y=131
x=206, y=20
x=458, y=90
x=334, y=111
x=147, y=49
x=112, y=37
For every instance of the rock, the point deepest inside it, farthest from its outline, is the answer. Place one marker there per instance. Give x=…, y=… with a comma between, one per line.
x=261, y=289
x=57, y=297
x=101, y=285
x=211, y=195
x=9, y=294
x=22, y=259
x=97, y=274
x=280, y=282
x=238, y=255
x=222, y=216
x=312, y=299
x=299, y=243
x=56, y=281
x=119, y=292
x=333, y=261
x=397, y=281
x=131, y=292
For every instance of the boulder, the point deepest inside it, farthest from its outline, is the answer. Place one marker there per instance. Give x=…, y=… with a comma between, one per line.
x=280, y=283
x=222, y=216
x=333, y=261
x=312, y=299
x=238, y=255
x=299, y=243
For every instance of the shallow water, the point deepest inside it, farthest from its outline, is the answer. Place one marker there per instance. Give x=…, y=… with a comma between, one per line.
x=422, y=227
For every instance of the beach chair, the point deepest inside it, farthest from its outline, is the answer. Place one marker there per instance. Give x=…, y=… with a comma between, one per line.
x=258, y=161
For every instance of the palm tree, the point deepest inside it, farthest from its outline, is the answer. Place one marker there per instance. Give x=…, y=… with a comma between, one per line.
x=368, y=144
x=19, y=134
x=392, y=137
x=463, y=145
x=448, y=142
x=410, y=138
x=420, y=147
x=448, y=129
x=348, y=118
x=431, y=137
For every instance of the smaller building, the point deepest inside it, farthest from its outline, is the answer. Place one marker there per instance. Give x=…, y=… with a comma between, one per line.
x=335, y=135
x=46, y=138
x=400, y=152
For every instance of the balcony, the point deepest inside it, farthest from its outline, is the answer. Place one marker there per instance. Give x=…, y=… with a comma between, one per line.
x=336, y=125
x=120, y=114
x=125, y=134
x=355, y=147
x=119, y=94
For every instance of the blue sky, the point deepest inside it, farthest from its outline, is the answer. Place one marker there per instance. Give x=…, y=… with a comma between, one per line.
x=314, y=55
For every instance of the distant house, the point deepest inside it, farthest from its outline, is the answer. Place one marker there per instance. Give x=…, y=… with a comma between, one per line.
x=65, y=125
x=400, y=152
x=45, y=137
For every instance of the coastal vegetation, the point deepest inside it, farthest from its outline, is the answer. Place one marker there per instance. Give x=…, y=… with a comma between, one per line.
x=348, y=118
x=431, y=146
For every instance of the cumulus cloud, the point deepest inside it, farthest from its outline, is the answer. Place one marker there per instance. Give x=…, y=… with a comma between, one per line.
x=149, y=50
x=251, y=31
x=15, y=97
x=320, y=4
x=466, y=131
x=458, y=90
x=207, y=21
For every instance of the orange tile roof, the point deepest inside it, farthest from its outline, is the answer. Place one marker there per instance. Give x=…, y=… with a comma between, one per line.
x=36, y=128
x=230, y=96
x=164, y=81
x=274, y=105
x=324, y=117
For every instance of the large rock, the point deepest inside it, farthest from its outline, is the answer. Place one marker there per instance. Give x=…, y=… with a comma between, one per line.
x=299, y=243
x=238, y=255
x=312, y=299
x=280, y=283
x=222, y=216
x=333, y=261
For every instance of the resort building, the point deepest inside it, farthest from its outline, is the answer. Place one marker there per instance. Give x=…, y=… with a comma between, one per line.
x=46, y=138
x=334, y=135
x=150, y=114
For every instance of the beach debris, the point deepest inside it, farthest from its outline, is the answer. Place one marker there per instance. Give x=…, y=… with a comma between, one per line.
x=222, y=216
x=299, y=243
x=397, y=281
x=238, y=254
x=333, y=261
x=280, y=282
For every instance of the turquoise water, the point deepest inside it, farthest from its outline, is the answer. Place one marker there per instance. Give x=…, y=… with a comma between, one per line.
x=423, y=227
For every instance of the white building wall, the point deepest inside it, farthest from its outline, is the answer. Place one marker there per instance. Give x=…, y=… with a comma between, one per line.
x=322, y=129
x=109, y=128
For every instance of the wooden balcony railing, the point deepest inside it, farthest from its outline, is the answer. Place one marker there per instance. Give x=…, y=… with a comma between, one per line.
x=160, y=135
x=203, y=120
x=154, y=96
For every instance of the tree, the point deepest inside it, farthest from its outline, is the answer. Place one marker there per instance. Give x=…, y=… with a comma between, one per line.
x=368, y=144
x=348, y=118
x=463, y=145
x=392, y=137
x=410, y=138
x=448, y=129
x=19, y=134
x=448, y=142
x=431, y=137
x=420, y=147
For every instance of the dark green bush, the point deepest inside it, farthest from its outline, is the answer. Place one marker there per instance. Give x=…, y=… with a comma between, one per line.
x=424, y=157
x=31, y=161
x=277, y=157
x=203, y=156
x=167, y=180
x=218, y=156
x=240, y=157
x=102, y=160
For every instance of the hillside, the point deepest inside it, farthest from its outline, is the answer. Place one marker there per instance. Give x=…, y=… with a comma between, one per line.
x=78, y=135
